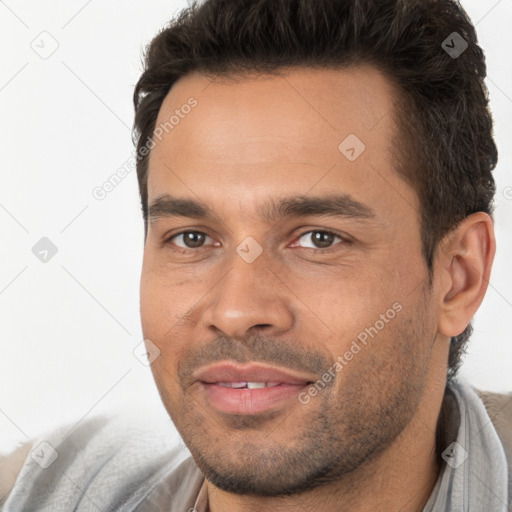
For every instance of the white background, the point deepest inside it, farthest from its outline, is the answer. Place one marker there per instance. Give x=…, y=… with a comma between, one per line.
x=68, y=327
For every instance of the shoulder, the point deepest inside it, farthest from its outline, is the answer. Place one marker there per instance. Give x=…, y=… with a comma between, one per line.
x=499, y=408
x=107, y=460
x=10, y=466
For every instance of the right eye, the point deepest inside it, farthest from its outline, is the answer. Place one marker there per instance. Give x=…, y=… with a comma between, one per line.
x=188, y=239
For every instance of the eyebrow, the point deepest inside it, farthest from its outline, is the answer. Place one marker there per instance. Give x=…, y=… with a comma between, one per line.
x=332, y=205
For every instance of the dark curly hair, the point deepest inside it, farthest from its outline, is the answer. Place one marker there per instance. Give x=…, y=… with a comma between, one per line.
x=445, y=143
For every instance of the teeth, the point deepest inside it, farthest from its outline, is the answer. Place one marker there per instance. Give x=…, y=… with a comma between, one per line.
x=233, y=384
x=248, y=385
x=256, y=385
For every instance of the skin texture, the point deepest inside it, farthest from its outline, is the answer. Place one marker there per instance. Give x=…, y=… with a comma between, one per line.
x=365, y=441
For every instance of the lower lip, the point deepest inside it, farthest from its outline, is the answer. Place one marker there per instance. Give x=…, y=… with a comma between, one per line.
x=249, y=401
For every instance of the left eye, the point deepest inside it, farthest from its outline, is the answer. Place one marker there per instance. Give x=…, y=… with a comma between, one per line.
x=190, y=239
x=319, y=239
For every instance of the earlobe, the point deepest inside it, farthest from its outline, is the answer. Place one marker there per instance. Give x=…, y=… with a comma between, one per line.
x=464, y=265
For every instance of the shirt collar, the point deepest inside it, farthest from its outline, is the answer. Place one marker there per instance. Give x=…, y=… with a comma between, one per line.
x=474, y=475
x=201, y=504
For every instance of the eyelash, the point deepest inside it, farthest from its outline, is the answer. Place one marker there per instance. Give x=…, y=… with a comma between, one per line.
x=316, y=250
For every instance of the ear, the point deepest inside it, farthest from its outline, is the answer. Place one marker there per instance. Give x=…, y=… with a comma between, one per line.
x=464, y=267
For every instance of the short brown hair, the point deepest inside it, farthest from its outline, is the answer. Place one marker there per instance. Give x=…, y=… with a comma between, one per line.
x=449, y=153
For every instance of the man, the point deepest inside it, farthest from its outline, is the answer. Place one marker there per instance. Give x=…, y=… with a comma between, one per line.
x=316, y=187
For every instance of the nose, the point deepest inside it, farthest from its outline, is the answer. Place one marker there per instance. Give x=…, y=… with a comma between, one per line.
x=249, y=296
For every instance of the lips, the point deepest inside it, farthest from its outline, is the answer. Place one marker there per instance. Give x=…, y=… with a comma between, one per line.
x=251, y=372
x=249, y=389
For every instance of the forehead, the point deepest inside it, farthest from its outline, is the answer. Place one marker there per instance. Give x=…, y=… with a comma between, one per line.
x=258, y=135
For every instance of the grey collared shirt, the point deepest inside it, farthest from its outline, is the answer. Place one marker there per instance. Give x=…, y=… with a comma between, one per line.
x=122, y=465
x=475, y=474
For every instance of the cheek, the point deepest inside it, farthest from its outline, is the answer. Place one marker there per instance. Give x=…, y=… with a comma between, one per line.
x=150, y=304
x=166, y=317
x=375, y=322
x=350, y=305
x=389, y=362
x=166, y=299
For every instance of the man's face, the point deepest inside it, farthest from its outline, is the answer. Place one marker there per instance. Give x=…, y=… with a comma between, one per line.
x=334, y=309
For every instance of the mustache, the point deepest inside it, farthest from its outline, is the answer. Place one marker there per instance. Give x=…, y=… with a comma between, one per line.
x=258, y=349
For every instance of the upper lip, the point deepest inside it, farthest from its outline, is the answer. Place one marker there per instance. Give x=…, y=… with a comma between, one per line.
x=251, y=372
